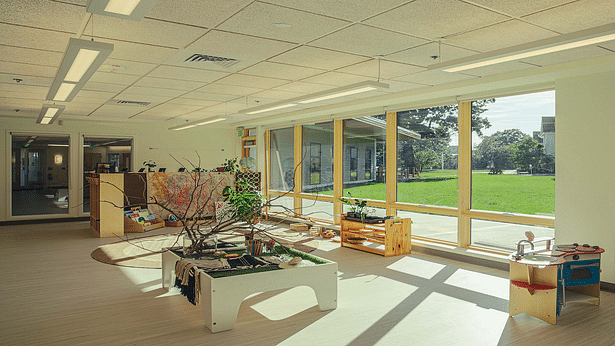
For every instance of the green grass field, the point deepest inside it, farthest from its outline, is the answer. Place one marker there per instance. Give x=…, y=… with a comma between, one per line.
x=533, y=195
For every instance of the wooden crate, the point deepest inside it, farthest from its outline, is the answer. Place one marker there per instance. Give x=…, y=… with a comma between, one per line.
x=395, y=236
x=131, y=226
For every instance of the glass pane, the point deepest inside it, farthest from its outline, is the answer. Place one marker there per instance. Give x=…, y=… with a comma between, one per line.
x=438, y=227
x=513, y=162
x=39, y=171
x=316, y=209
x=282, y=204
x=427, y=144
x=117, y=152
x=282, y=162
x=503, y=235
x=364, y=157
x=318, y=157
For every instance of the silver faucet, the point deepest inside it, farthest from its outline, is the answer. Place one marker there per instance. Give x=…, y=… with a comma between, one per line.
x=519, y=252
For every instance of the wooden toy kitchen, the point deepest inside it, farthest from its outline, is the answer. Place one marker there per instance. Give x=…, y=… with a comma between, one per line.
x=544, y=280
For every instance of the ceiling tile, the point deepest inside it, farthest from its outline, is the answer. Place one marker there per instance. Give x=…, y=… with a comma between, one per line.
x=30, y=56
x=190, y=74
x=225, y=89
x=20, y=107
x=259, y=18
x=367, y=41
x=501, y=35
x=282, y=71
x=252, y=81
x=125, y=67
x=78, y=109
x=138, y=52
x=384, y=69
x=200, y=13
x=575, y=16
x=146, y=31
x=569, y=55
x=519, y=8
x=317, y=58
x=96, y=86
x=140, y=90
x=336, y=79
x=115, y=112
x=176, y=84
x=237, y=46
x=208, y=96
x=433, y=19
x=422, y=55
x=19, y=36
x=96, y=95
x=26, y=80
x=399, y=86
x=274, y=94
x=43, y=14
x=434, y=78
x=168, y=111
x=114, y=78
x=194, y=102
x=344, y=9
x=28, y=69
x=23, y=89
x=303, y=87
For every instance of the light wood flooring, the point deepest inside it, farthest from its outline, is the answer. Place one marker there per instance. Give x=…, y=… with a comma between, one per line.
x=54, y=293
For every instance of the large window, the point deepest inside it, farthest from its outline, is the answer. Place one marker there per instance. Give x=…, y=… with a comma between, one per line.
x=282, y=162
x=365, y=148
x=317, y=157
x=40, y=166
x=426, y=156
x=513, y=165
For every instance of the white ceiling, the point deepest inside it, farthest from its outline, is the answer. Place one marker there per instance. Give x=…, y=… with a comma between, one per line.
x=328, y=44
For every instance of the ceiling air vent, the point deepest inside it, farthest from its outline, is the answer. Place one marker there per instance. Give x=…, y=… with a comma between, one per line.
x=220, y=61
x=128, y=103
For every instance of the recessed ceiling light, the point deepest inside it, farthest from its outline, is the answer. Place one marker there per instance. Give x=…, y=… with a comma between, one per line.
x=282, y=25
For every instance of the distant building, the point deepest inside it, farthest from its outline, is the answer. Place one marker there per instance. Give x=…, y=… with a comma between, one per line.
x=547, y=129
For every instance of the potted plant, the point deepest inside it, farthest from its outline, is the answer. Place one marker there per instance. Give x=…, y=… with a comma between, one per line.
x=358, y=208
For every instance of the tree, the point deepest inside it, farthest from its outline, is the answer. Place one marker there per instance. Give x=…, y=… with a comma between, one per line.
x=425, y=158
x=435, y=125
x=527, y=154
x=495, y=149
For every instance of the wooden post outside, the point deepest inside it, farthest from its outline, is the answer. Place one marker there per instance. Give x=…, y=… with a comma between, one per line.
x=464, y=171
x=338, y=169
x=298, y=151
x=391, y=163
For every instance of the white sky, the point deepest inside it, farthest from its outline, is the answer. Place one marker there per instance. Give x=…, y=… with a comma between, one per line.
x=523, y=112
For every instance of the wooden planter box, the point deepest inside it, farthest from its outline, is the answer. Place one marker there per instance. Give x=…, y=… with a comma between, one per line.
x=135, y=227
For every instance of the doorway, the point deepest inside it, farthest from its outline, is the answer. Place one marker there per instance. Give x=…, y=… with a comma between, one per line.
x=39, y=174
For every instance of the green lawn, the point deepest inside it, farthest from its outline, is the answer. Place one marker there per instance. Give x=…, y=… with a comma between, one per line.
x=524, y=194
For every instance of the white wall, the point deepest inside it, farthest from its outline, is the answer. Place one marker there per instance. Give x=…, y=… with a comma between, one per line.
x=585, y=164
x=151, y=142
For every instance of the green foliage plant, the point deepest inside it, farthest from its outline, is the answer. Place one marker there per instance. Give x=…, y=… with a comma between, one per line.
x=358, y=206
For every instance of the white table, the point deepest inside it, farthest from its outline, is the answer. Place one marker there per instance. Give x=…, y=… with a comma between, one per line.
x=221, y=297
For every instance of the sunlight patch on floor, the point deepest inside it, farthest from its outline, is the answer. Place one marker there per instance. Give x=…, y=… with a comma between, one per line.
x=416, y=267
x=482, y=283
x=444, y=320
x=287, y=303
x=376, y=295
x=145, y=278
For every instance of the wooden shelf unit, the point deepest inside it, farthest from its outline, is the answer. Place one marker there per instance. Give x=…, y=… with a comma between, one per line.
x=105, y=195
x=394, y=234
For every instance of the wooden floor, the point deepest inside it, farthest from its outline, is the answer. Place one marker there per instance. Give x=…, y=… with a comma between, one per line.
x=54, y=293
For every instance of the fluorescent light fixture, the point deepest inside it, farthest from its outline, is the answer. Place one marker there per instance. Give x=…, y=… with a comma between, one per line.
x=197, y=123
x=81, y=60
x=273, y=108
x=57, y=145
x=125, y=9
x=49, y=113
x=347, y=90
x=541, y=47
x=64, y=91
